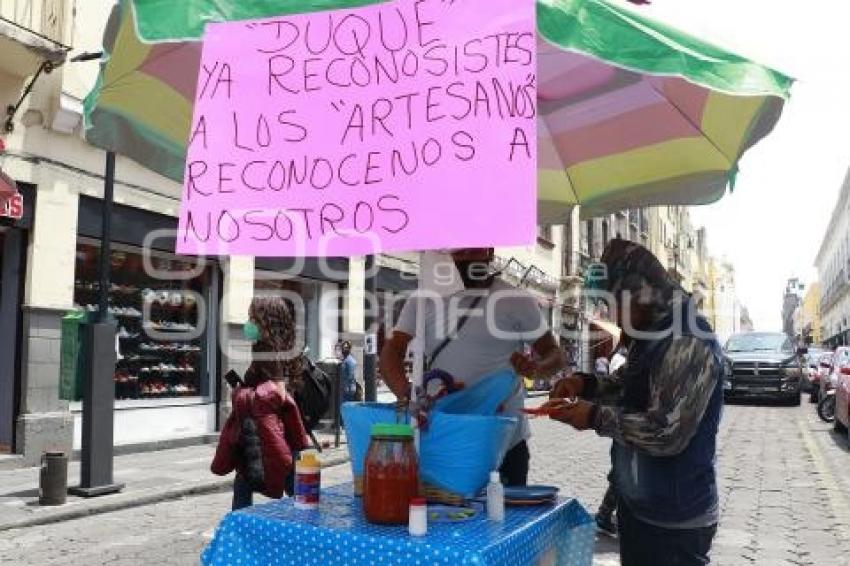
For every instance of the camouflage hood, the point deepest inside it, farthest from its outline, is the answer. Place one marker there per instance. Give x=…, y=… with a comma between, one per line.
x=634, y=269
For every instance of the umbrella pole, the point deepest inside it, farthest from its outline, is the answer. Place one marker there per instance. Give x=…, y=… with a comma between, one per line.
x=418, y=346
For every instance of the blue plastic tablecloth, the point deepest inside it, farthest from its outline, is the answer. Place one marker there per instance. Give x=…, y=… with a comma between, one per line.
x=338, y=534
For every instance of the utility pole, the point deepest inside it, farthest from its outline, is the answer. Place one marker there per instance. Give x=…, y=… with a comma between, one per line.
x=370, y=343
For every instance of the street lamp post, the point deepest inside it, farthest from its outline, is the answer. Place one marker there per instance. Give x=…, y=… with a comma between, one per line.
x=96, y=460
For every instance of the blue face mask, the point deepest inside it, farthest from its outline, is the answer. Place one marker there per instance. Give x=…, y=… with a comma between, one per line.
x=251, y=332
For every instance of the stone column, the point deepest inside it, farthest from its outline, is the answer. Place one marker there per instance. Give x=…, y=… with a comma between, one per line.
x=238, y=290
x=45, y=422
x=355, y=308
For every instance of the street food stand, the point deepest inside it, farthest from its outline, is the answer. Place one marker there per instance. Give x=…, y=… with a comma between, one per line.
x=278, y=534
x=588, y=123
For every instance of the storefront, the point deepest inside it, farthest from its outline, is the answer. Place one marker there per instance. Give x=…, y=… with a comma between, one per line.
x=166, y=307
x=16, y=216
x=313, y=289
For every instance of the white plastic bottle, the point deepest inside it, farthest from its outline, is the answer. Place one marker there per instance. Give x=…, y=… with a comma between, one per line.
x=418, y=518
x=495, y=498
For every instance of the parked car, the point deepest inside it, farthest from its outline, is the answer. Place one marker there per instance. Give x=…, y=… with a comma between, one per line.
x=763, y=365
x=841, y=378
x=819, y=374
x=811, y=368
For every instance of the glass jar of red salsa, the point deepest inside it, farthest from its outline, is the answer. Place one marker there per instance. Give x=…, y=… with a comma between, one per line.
x=392, y=474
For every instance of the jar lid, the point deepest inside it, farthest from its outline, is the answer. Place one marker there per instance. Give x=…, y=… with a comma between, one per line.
x=392, y=430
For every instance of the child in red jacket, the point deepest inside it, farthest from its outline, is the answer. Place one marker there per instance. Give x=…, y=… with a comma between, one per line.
x=264, y=431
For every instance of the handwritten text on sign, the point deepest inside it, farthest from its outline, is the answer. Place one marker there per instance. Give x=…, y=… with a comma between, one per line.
x=405, y=125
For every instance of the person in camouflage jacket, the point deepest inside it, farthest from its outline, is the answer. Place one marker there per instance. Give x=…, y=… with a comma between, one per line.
x=662, y=409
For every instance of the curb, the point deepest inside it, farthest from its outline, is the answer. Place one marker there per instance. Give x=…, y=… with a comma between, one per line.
x=11, y=462
x=148, y=497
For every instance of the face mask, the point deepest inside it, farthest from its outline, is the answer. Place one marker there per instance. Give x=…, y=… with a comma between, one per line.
x=251, y=332
x=474, y=274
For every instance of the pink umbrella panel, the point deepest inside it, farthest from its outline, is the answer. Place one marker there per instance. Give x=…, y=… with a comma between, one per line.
x=612, y=138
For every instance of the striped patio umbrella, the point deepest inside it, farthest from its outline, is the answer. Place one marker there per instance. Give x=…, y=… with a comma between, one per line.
x=141, y=105
x=632, y=113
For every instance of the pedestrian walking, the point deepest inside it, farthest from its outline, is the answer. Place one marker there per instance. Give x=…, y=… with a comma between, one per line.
x=665, y=424
x=352, y=388
x=605, y=520
x=264, y=432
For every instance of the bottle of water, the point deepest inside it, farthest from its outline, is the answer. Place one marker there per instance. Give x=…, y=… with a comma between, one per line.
x=495, y=498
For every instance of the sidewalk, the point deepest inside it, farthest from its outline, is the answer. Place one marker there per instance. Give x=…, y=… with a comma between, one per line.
x=149, y=477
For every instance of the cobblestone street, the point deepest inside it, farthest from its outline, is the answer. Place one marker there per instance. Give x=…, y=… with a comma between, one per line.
x=783, y=483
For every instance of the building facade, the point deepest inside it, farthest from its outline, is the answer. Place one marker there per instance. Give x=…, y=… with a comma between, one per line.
x=746, y=322
x=727, y=312
x=701, y=264
x=595, y=233
x=179, y=318
x=675, y=242
x=791, y=300
x=833, y=262
x=807, y=321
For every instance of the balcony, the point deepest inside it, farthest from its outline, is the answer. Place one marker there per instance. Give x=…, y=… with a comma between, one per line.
x=833, y=292
x=31, y=31
x=584, y=262
x=644, y=222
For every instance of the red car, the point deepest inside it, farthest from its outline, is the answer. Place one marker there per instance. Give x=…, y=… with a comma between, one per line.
x=841, y=378
x=819, y=369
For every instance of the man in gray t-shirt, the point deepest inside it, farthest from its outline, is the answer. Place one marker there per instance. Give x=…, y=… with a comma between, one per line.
x=503, y=321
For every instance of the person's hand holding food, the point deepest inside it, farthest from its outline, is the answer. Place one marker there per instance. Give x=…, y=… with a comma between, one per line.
x=524, y=364
x=570, y=387
x=577, y=413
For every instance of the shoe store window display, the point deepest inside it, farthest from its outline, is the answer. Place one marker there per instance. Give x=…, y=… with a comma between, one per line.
x=159, y=346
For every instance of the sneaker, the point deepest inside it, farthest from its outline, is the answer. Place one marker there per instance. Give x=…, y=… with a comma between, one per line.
x=606, y=525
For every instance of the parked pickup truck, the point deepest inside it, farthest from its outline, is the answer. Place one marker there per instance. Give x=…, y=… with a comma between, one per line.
x=764, y=365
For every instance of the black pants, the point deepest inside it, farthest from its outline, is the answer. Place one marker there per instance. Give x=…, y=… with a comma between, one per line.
x=609, y=502
x=642, y=544
x=243, y=494
x=514, y=470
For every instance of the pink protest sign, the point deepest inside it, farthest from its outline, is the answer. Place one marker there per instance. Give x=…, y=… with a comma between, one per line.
x=401, y=126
